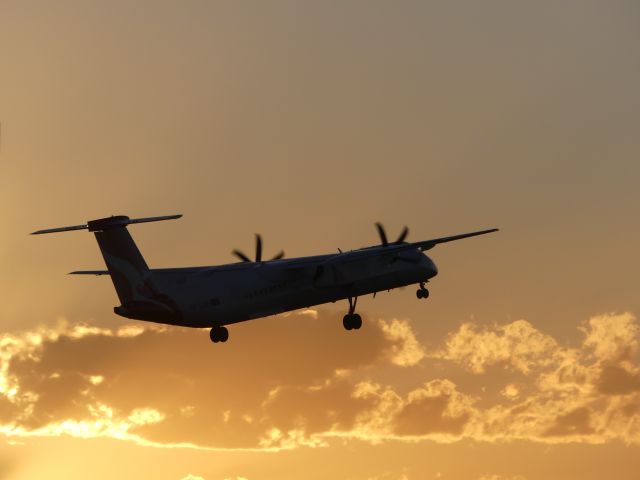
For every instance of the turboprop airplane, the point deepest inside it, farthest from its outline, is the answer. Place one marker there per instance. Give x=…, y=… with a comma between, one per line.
x=216, y=296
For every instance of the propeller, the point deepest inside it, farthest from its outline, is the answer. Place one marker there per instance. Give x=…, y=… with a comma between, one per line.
x=383, y=235
x=258, y=258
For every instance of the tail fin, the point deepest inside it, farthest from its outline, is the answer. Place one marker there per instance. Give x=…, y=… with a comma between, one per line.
x=129, y=272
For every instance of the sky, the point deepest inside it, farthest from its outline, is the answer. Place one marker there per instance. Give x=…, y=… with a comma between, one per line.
x=308, y=122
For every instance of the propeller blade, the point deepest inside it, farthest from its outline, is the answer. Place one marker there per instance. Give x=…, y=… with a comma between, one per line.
x=258, y=248
x=382, y=234
x=258, y=258
x=241, y=256
x=278, y=256
x=403, y=235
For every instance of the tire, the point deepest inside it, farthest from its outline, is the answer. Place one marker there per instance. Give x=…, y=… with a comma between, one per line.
x=224, y=334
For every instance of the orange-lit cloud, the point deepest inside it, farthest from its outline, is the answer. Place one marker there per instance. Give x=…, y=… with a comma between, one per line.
x=308, y=383
x=518, y=344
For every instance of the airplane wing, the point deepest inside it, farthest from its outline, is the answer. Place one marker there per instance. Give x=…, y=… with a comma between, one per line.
x=333, y=268
x=429, y=244
x=423, y=245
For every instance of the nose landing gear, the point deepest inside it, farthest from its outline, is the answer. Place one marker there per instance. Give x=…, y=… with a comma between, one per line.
x=352, y=321
x=219, y=334
x=422, y=292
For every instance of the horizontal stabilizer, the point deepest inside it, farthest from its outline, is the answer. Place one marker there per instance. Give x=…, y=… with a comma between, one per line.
x=154, y=219
x=60, y=229
x=102, y=224
x=90, y=272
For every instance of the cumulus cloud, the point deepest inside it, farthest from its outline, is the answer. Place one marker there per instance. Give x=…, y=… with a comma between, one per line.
x=405, y=349
x=612, y=337
x=518, y=344
x=588, y=393
x=171, y=386
x=437, y=407
x=307, y=383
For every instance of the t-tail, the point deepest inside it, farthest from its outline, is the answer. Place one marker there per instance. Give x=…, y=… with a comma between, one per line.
x=139, y=295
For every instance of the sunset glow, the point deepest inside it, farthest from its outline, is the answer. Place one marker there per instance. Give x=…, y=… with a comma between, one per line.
x=308, y=122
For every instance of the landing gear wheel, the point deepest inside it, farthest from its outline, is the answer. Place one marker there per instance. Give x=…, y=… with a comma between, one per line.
x=422, y=293
x=219, y=334
x=224, y=334
x=357, y=321
x=352, y=321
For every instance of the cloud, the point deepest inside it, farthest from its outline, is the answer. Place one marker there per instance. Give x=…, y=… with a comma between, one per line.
x=171, y=386
x=307, y=383
x=405, y=349
x=619, y=379
x=612, y=337
x=518, y=344
x=585, y=394
x=510, y=391
x=437, y=407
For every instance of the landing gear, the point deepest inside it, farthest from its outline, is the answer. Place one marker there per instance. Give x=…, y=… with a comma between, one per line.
x=219, y=334
x=422, y=291
x=352, y=321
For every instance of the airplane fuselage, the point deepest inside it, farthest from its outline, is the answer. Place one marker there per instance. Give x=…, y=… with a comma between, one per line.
x=226, y=294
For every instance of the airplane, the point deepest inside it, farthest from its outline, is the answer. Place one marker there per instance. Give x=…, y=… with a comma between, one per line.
x=216, y=296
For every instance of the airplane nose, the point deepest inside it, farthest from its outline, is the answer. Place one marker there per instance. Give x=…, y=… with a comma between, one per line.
x=433, y=268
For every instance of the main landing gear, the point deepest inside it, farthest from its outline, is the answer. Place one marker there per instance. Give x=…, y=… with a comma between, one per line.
x=219, y=334
x=352, y=321
x=422, y=291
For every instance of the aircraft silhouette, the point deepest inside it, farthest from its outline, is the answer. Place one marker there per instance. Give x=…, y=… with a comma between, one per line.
x=216, y=296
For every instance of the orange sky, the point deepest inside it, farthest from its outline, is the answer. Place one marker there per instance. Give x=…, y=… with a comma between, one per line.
x=308, y=122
